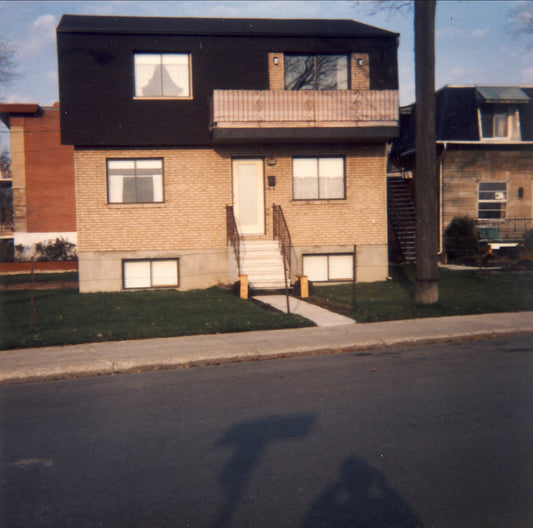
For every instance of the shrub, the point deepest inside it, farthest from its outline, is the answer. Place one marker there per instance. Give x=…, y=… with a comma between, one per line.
x=461, y=239
x=60, y=250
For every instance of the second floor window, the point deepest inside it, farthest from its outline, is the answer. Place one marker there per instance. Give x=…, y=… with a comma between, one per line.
x=316, y=72
x=494, y=121
x=135, y=180
x=162, y=75
x=318, y=178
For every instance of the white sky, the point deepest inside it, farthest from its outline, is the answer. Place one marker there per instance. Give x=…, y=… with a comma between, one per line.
x=475, y=42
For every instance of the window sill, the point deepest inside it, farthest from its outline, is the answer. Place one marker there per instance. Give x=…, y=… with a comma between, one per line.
x=157, y=205
x=318, y=201
x=155, y=98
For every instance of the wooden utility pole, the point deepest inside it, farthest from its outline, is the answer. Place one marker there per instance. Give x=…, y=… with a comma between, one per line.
x=427, y=280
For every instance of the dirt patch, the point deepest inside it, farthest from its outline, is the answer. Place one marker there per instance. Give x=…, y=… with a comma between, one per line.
x=49, y=285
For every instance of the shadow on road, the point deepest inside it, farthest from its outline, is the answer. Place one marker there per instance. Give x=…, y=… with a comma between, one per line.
x=360, y=498
x=249, y=440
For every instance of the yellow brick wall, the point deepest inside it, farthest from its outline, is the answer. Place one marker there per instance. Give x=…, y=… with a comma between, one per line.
x=198, y=185
x=276, y=73
x=359, y=75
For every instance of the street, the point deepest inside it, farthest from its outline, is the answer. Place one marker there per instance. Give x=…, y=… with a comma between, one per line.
x=429, y=436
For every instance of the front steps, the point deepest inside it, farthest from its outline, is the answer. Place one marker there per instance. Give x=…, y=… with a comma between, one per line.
x=262, y=261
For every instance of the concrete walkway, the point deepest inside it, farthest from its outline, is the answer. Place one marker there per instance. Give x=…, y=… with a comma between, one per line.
x=319, y=316
x=175, y=352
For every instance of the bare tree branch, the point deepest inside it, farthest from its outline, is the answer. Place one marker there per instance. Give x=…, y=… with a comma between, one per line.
x=390, y=7
x=8, y=69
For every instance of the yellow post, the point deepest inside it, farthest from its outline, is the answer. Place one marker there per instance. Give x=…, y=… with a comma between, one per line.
x=304, y=286
x=243, y=279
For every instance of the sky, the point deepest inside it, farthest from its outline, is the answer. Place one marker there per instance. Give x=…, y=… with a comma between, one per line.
x=476, y=41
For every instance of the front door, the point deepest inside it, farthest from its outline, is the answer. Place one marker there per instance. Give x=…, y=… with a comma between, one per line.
x=248, y=196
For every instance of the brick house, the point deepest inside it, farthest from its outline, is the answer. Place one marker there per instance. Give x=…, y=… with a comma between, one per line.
x=42, y=172
x=209, y=148
x=485, y=159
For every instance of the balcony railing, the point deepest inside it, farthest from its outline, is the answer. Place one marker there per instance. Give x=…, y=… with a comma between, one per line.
x=504, y=230
x=304, y=108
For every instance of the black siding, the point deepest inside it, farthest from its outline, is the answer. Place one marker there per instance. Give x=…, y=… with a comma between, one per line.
x=96, y=81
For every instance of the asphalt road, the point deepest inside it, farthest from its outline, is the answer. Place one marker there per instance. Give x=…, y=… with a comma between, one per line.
x=432, y=436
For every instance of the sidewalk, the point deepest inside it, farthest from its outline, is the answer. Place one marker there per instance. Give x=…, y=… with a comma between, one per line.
x=174, y=352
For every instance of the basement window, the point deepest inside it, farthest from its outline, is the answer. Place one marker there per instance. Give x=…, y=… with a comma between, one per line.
x=150, y=273
x=329, y=267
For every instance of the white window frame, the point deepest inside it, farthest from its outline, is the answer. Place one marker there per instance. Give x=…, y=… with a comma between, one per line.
x=330, y=262
x=143, y=274
x=115, y=185
x=500, y=197
x=315, y=164
x=142, y=60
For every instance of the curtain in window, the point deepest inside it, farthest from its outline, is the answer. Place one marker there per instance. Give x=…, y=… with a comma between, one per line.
x=318, y=178
x=135, y=181
x=162, y=75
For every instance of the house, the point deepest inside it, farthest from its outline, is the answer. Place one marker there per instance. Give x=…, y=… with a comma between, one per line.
x=42, y=176
x=485, y=161
x=206, y=149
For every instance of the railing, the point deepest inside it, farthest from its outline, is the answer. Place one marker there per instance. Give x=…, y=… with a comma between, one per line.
x=304, y=108
x=281, y=233
x=233, y=237
x=505, y=229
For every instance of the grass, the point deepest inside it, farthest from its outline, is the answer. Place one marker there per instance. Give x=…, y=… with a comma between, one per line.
x=65, y=317
x=460, y=293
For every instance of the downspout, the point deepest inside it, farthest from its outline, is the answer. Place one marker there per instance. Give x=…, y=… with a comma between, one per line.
x=441, y=191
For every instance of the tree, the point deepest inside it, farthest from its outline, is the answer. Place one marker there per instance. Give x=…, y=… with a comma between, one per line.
x=8, y=70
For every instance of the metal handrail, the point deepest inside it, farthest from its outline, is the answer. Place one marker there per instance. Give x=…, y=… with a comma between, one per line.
x=281, y=233
x=233, y=237
x=511, y=229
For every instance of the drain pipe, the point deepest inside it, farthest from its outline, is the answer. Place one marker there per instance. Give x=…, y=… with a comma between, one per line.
x=441, y=191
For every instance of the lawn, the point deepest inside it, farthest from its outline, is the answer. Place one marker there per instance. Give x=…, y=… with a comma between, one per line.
x=63, y=317
x=460, y=293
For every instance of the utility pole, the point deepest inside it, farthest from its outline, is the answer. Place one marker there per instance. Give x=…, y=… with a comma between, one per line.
x=427, y=280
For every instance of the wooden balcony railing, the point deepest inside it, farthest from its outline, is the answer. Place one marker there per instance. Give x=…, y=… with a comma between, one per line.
x=304, y=108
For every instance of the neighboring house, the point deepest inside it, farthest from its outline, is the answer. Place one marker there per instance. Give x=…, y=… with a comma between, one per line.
x=485, y=159
x=42, y=175
x=204, y=148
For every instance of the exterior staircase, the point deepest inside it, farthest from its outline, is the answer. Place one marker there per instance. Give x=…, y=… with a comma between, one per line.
x=262, y=261
x=402, y=216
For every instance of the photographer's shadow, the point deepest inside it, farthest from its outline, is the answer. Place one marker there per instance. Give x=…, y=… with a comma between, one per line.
x=360, y=498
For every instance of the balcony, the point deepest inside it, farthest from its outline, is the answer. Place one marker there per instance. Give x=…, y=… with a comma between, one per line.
x=306, y=115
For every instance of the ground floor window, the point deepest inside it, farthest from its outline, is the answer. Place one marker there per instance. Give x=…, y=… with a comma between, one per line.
x=332, y=267
x=492, y=199
x=318, y=178
x=150, y=273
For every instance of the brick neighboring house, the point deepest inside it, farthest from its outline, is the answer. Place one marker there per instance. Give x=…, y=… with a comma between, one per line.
x=42, y=170
x=485, y=161
x=205, y=148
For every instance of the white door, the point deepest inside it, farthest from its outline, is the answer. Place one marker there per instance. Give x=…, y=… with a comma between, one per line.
x=248, y=196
